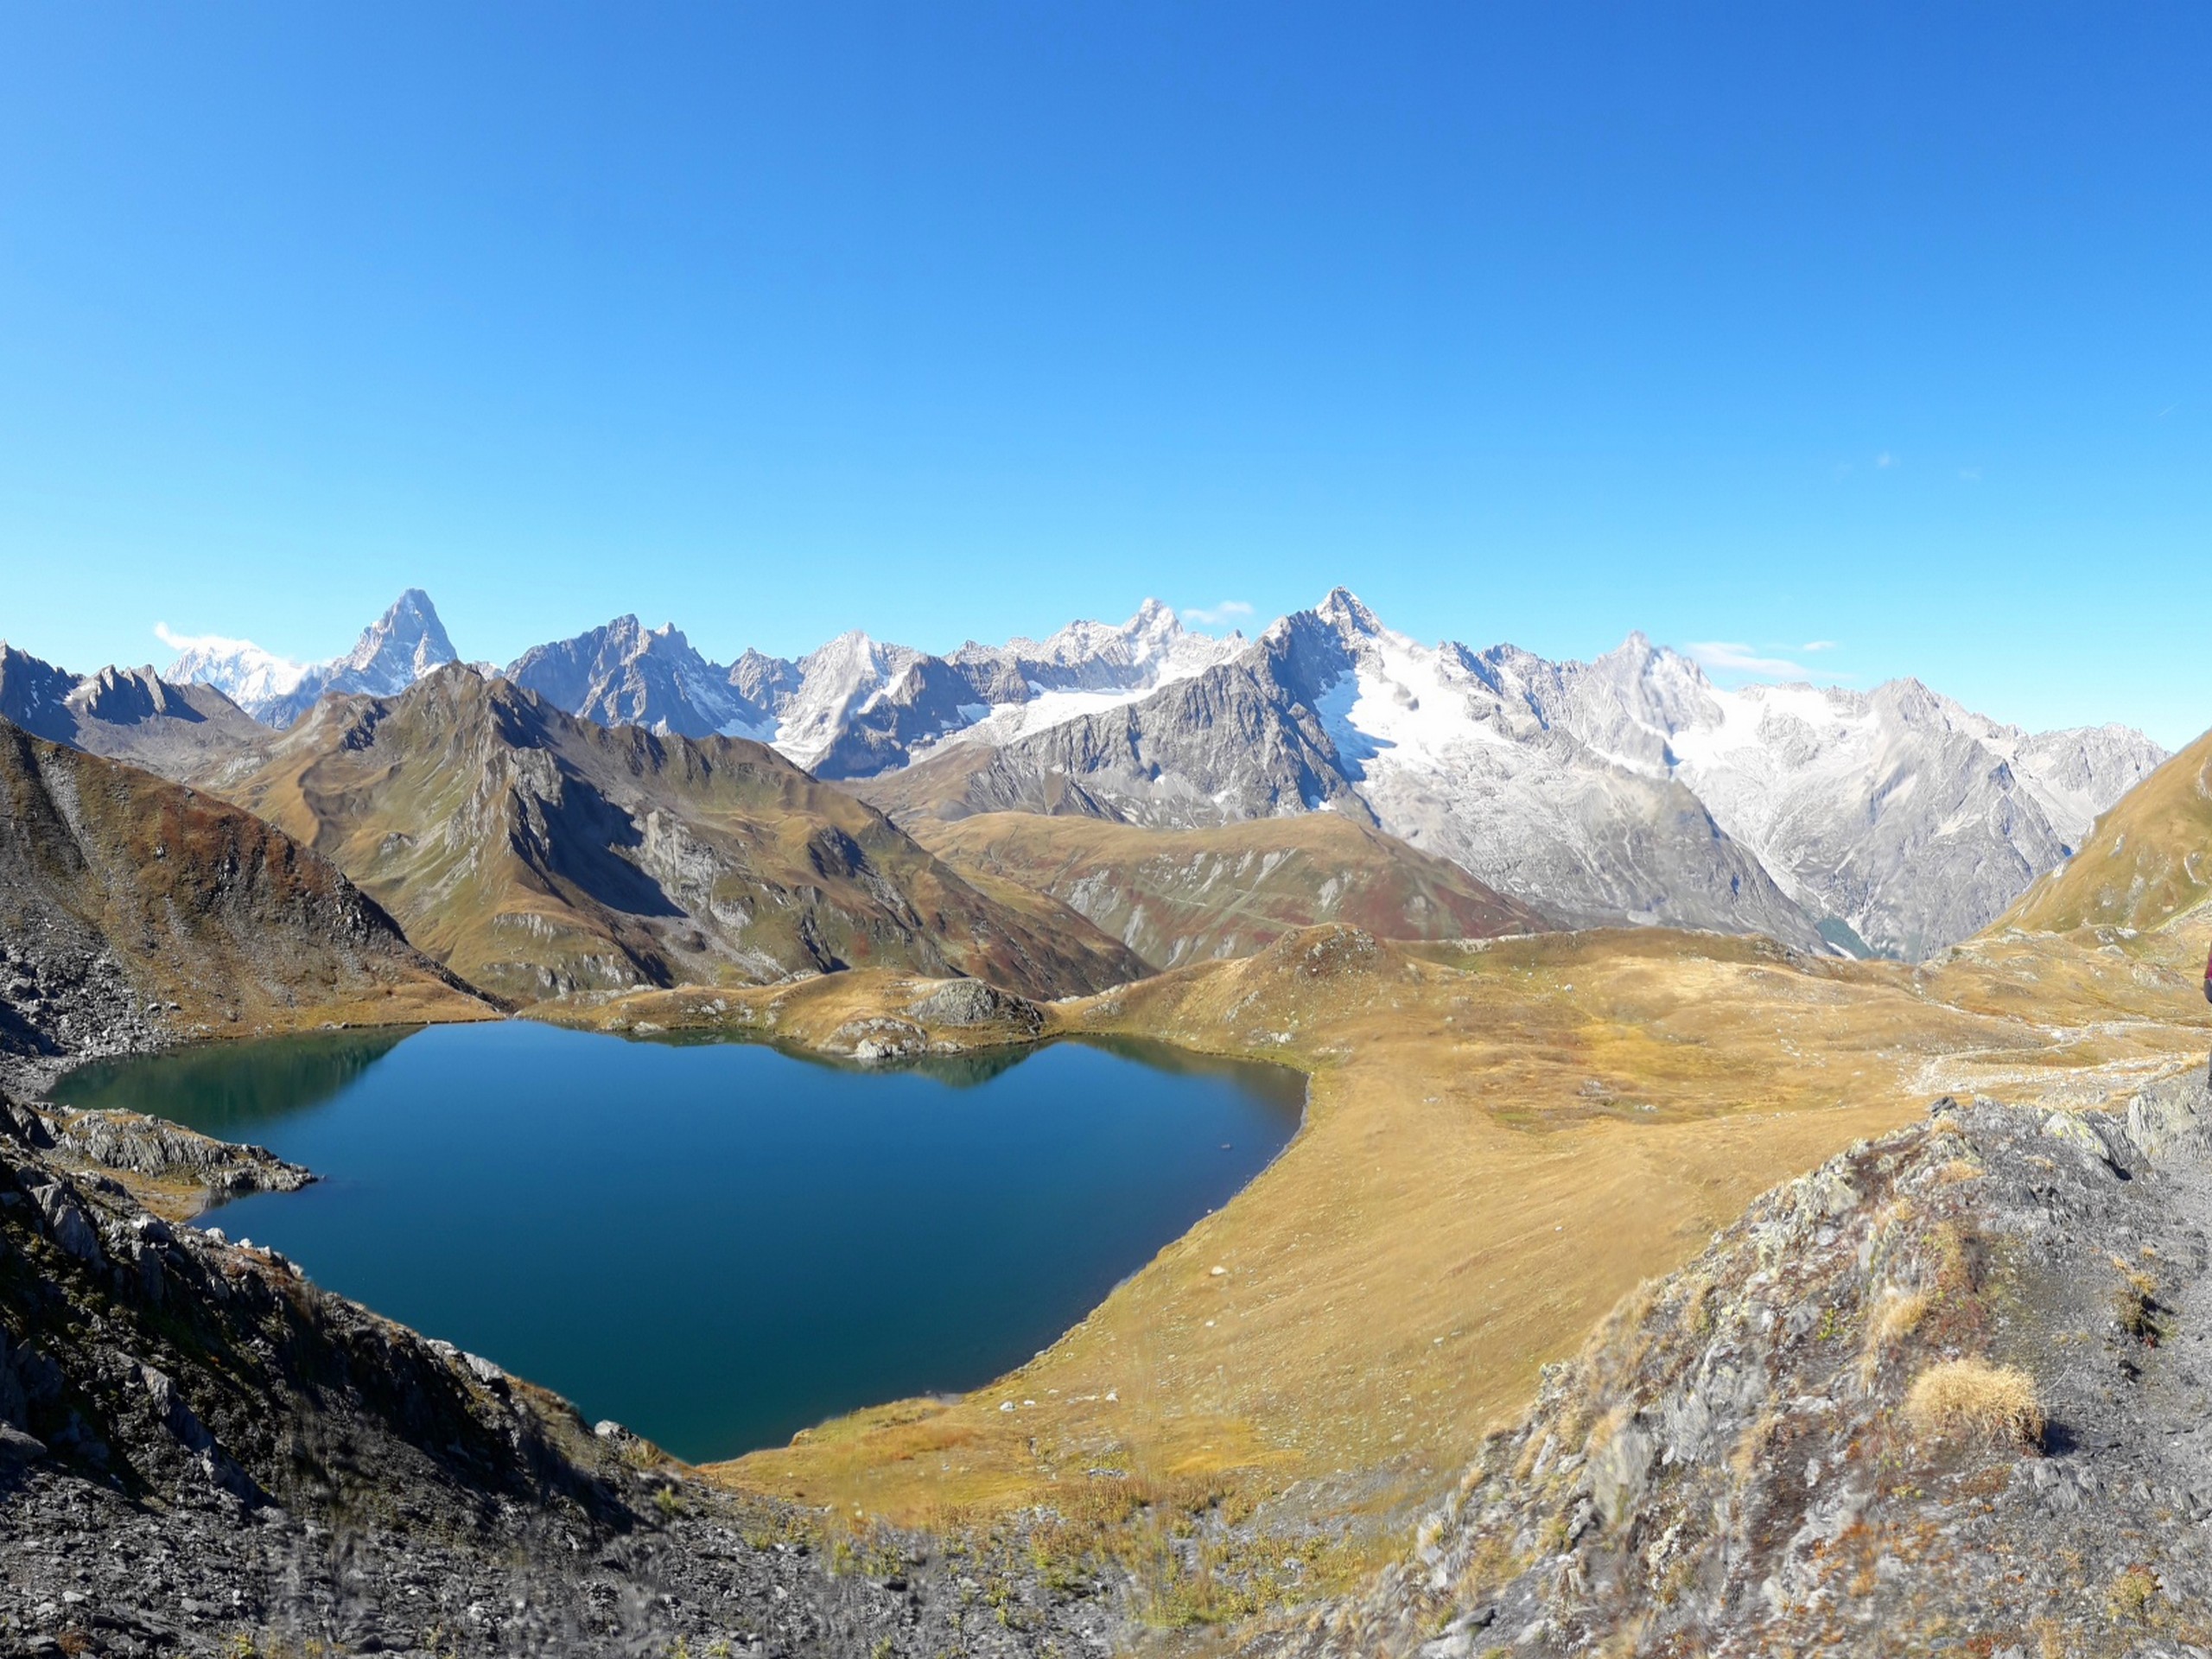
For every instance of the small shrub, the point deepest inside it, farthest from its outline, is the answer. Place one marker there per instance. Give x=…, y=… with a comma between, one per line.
x=2132, y=1592
x=1972, y=1397
x=2136, y=1311
x=1895, y=1317
x=1960, y=1257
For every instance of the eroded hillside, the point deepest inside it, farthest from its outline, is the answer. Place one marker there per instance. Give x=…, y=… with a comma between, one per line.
x=134, y=912
x=1178, y=896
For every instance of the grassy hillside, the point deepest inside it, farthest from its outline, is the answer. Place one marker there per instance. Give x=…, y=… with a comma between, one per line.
x=538, y=854
x=2148, y=860
x=128, y=899
x=1175, y=896
x=1500, y=1140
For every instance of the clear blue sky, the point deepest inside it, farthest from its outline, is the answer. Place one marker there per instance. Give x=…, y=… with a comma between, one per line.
x=1758, y=324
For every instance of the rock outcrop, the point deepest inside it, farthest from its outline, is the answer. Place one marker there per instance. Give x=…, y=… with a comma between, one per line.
x=1946, y=1392
x=131, y=714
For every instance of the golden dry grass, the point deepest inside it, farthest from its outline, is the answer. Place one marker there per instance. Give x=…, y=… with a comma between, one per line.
x=1970, y=1397
x=1500, y=1142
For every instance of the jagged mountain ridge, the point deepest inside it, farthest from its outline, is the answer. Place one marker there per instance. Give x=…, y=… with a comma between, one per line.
x=124, y=714
x=856, y=707
x=538, y=853
x=1328, y=709
x=402, y=646
x=1897, y=813
x=1627, y=789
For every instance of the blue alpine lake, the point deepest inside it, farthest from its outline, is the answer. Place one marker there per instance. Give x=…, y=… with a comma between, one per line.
x=720, y=1243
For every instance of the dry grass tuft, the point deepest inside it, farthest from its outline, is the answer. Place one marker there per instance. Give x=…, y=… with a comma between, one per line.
x=1895, y=1317
x=1973, y=1397
x=2132, y=1592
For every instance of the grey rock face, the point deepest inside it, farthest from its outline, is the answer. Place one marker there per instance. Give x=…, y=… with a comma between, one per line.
x=1909, y=820
x=1787, y=1445
x=624, y=674
x=1449, y=751
x=856, y=708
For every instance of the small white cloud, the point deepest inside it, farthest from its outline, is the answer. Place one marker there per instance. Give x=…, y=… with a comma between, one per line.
x=1817, y=645
x=1971, y=474
x=176, y=641
x=1731, y=658
x=1210, y=616
x=1886, y=459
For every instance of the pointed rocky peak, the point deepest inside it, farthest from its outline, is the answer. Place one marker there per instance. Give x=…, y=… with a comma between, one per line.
x=1343, y=611
x=401, y=646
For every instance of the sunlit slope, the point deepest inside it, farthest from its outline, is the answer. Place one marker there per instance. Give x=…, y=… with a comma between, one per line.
x=2148, y=860
x=1176, y=896
x=538, y=854
x=217, y=921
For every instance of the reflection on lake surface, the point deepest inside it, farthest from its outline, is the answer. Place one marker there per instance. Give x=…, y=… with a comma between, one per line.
x=720, y=1243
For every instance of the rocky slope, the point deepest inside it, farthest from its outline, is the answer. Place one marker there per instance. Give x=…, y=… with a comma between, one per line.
x=134, y=912
x=1946, y=1392
x=130, y=714
x=1897, y=818
x=1177, y=896
x=201, y=1451
x=402, y=646
x=538, y=854
x=2148, y=862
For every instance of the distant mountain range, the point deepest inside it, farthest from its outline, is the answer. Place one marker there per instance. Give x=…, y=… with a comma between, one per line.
x=1630, y=789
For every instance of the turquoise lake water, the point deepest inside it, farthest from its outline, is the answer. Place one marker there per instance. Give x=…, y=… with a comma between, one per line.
x=720, y=1243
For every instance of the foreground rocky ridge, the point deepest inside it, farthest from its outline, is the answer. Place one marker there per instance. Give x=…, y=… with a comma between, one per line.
x=1948, y=1390
x=199, y=1449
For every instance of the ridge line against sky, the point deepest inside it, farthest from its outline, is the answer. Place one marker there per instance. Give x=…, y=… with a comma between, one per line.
x=1727, y=663
x=1739, y=327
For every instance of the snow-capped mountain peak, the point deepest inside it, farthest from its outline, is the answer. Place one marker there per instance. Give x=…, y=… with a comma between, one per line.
x=402, y=646
x=241, y=669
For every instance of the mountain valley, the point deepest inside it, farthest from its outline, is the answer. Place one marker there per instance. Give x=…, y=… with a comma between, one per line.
x=1574, y=958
